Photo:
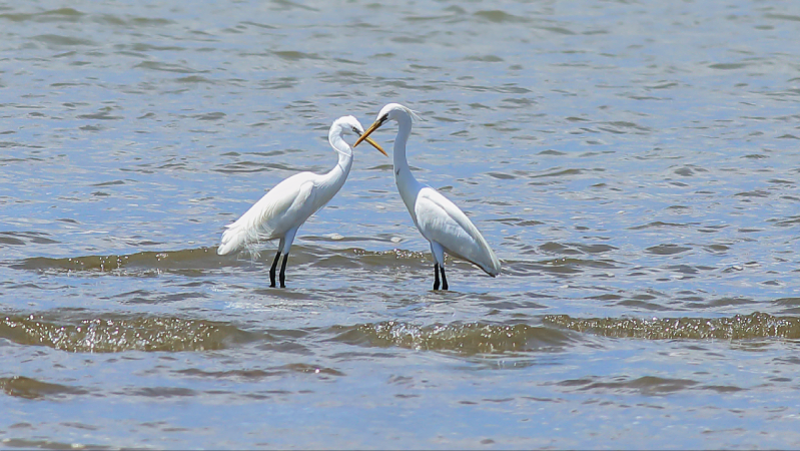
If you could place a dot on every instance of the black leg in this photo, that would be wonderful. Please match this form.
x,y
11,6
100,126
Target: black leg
x,y
435,276
444,279
283,271
272,269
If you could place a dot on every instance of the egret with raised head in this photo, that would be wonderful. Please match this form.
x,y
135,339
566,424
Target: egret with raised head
x,y
438,219
287,206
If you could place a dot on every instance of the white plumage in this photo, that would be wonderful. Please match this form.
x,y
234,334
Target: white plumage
x,y
291,202
284,207
438,219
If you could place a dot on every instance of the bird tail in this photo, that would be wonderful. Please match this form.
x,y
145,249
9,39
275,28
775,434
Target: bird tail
x,y
238,236
493,269
232,240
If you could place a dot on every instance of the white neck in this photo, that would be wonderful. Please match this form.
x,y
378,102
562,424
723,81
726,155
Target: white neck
x,y
337,176
407,185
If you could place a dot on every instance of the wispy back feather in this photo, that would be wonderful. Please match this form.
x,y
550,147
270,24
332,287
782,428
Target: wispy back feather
x,y
415,117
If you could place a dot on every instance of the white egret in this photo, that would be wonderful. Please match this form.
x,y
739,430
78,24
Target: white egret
x,y
287,206
443,224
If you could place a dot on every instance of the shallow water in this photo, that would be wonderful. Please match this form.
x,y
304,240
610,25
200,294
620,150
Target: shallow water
x,y
633,164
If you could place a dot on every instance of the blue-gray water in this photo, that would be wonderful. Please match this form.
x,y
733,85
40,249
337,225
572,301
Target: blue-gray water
x,y
634,165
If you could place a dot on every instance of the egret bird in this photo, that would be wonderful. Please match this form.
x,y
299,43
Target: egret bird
x,y
287,206
438,219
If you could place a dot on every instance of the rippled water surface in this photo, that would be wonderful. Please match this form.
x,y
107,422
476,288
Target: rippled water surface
x,y
634,164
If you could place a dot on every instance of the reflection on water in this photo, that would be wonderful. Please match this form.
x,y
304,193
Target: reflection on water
x,y
634,166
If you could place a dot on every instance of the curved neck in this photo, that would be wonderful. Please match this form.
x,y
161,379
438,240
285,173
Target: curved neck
x,y
338,174
345,159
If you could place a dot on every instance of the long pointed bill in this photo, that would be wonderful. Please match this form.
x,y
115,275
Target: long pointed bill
x,y
369,131
373,143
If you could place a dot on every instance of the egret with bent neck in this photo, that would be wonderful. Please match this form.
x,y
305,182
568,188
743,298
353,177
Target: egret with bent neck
x,y
287,206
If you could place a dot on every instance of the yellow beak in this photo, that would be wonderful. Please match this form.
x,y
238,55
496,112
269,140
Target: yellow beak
x,y
373,143
368,132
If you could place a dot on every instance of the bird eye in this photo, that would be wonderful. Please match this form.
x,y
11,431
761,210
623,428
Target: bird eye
x,y
356,131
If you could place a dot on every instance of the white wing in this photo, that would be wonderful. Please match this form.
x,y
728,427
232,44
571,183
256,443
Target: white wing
x,y
285,206
442,221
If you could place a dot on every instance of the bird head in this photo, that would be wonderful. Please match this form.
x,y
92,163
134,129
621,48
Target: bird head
x,y
391,112
346,124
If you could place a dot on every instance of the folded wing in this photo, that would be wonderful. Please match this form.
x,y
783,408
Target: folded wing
x,y
286,205
440,220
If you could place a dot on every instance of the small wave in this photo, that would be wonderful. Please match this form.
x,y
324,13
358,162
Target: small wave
x,y
180,260
183,260
118,334
259,374
293,55
54,15
465,338
168,67
667,249
561,267
739,327
21,238
56,40
497,16
28,388
648,385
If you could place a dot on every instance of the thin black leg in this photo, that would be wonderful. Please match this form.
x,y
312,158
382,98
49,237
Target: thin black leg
x,y
444,279
435,276
272,269
283,271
